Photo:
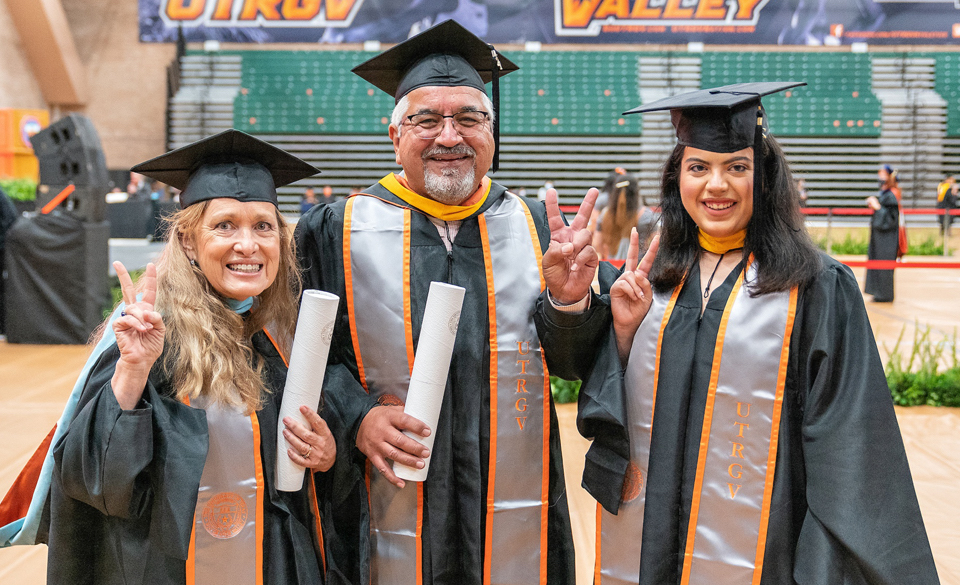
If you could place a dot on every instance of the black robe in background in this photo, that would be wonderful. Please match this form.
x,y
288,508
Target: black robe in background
x,y
125,487
843,507
884,241
455,490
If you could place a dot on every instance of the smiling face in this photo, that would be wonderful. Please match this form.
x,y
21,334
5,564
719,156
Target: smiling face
x,y
237,246
717,189
447,168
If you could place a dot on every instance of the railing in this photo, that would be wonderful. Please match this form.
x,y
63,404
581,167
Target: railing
x,y
831,212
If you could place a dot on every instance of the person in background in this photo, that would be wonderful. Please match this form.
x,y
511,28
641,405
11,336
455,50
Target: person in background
x,y
757,440
542,191
308,201
802,190
166,474
947,200
884,235
624,212
328,194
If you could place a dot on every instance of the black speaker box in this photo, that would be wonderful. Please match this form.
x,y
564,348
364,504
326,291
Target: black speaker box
x,y
57,278
69,153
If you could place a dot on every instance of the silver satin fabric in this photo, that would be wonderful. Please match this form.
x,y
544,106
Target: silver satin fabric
x,y
522,417
226,547
728,523
727,528
620,534
377,268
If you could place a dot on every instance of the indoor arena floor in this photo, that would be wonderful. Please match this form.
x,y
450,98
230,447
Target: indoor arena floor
x,y
35,381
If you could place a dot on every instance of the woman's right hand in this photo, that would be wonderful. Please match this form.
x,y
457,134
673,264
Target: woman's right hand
x,y
632,294
140,332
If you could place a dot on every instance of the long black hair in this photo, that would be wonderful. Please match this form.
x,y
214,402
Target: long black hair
x,y
784,252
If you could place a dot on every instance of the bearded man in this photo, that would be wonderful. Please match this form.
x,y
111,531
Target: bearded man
x,y
493,508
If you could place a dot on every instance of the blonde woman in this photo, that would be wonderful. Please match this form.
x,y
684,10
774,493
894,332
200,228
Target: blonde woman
x,y
166,474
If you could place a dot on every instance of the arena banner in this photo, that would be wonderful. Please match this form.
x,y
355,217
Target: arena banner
x,y
756,22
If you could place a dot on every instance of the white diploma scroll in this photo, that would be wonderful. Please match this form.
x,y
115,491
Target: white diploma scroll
x,y
430,367
308,362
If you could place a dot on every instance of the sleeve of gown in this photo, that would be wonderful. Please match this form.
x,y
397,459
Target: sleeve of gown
x,y
863,520
582,346
103,458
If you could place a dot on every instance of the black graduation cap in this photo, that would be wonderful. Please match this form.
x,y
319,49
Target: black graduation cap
x,y
230,164
722,119
445,55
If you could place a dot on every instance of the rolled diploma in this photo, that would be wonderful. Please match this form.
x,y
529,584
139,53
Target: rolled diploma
x,y
308,363
430,367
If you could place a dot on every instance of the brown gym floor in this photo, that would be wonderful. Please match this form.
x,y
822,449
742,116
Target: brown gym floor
x,y
37,379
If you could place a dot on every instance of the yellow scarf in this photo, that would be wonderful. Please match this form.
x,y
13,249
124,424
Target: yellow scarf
x,y
721,245
435,208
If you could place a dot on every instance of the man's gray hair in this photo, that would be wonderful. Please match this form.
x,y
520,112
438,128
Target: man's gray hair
x,y
396,119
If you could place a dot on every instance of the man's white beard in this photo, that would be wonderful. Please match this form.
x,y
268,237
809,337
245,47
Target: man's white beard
x,y
450,186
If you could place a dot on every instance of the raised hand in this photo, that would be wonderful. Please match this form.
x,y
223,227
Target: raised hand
x,y
631,294
570,262
380,437
313,447
140,332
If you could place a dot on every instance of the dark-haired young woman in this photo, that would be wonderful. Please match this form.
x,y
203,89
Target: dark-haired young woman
x,y
756,441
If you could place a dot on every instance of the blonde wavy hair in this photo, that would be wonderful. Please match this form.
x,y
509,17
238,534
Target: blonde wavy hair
x,y
208,350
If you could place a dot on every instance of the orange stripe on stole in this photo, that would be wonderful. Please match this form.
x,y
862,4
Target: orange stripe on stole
x,y
775,436
492,472
348,286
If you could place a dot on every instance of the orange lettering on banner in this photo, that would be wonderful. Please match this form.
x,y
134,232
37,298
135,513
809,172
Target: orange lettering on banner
x,y
185,9
618,8
522,407
711,10
300,9
339,9
267,8
733,492
578,13
745,9
522,386
739,472
520,347
641,9
223,10
673,10
740,409
521,420
523,365
742,426
737,450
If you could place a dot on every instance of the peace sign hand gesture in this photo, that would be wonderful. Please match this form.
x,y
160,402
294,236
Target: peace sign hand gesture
x,y
570,262
140,332
632,294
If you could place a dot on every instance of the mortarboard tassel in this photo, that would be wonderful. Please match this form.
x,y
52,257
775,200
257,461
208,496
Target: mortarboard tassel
x,y
495,67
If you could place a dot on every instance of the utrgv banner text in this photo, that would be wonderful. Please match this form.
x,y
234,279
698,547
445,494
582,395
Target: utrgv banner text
x,y
761,22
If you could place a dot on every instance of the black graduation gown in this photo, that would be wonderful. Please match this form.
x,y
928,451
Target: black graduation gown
x,y
884,242
843,507
455,491
126,482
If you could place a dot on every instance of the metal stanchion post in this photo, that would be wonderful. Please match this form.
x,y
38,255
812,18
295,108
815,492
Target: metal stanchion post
x,y
829,221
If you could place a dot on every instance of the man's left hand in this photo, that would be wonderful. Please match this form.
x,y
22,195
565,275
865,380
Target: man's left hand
x,y
570,262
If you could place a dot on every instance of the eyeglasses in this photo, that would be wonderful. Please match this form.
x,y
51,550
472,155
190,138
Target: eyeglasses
x,y
466,124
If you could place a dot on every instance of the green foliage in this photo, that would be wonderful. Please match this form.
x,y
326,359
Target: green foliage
x,y
851,246
564,390
927,247
917,379
19,189
848,246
